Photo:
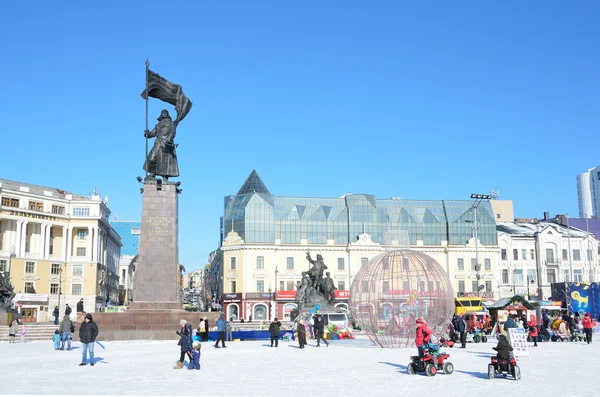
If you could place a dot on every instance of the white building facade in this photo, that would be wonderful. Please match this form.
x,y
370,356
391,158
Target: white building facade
x,y
534,254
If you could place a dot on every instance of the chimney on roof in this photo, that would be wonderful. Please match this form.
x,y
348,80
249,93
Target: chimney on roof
x,y
546,216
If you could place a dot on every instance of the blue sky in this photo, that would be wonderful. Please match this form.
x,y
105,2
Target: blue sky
x,y
421,100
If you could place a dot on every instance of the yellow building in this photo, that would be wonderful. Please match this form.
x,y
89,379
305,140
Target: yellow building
x,y
57,247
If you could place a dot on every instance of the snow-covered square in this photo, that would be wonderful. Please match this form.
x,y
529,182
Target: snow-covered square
x,y
253,368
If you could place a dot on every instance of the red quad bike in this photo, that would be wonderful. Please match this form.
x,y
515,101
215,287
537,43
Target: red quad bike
x,y
504,367
446,342
426,364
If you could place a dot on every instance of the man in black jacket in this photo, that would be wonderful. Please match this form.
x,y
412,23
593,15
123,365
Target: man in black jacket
x,y
88,331
274,330
319,325
461,327
80,306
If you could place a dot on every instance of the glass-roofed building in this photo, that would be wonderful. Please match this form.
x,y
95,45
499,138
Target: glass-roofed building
x,y
269,236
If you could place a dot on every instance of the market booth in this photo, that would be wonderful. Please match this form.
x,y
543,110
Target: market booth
x,y
517,305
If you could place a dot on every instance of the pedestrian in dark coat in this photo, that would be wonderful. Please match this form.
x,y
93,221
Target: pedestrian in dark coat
x,y
80,306
319,325
55,313
503,348
274,329
185,341
301,335
68,310
88,331
221,328
206,329
461,327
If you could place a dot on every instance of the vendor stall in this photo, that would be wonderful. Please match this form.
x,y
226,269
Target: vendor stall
x,y
517,305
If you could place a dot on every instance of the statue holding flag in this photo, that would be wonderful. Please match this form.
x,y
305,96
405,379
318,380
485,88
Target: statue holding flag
x,y
162,159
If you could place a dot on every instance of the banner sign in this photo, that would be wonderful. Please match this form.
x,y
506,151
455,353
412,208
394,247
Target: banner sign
x,y
518,340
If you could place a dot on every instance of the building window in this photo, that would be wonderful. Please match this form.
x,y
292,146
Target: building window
x,y
497,216
515,254
532,253
260,286
341,265
10,202
55,268
135,231
260,262
460,264
531,276
364,261
589,255
81,211
473,264
577,276
77,270
58,209
461,286
567,276
29,288
551,276
36,206
503,254
576,255
430,286
3,265
290,263
488,286
365,287
474,286
76,289
29,267
518,276
565,255
54,288
505,276
281,286
550,255
524,254
290,286
233,263
233,287
487,264
82,234
342,285
80,251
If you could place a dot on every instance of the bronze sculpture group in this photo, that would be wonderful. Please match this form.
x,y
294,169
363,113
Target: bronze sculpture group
x,y
314,289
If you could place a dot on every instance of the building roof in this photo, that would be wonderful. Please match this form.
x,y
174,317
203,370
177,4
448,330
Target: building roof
x,y
530,229
7,184
503,303
253,184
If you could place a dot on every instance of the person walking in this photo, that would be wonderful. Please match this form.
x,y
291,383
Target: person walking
x,y
55,313
221,328
80,306
88,331
274,329
68,310
319,326
301,335
12,330
533,329
461,327
66,329
185,333
588,327
206,329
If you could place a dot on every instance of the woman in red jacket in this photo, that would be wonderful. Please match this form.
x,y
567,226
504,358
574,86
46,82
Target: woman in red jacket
x,y
588,327
423,335
533,329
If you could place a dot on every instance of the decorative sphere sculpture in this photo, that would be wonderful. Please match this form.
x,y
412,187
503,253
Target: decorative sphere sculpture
x,y
396,288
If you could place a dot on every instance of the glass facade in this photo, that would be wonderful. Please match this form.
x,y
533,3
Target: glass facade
x,y
263,218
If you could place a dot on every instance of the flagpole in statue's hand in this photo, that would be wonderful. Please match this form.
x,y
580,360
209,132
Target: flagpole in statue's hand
x,y
146,130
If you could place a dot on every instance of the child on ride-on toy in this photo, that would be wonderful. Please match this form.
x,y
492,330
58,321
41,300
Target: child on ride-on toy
x,y
433,348
503,348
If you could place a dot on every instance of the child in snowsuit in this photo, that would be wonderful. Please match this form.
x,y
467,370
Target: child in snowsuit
x,y
423,335
195,361
433,348
503,348
56,338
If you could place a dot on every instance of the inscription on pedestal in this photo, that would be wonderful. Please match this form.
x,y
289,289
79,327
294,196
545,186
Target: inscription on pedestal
x,y
157,228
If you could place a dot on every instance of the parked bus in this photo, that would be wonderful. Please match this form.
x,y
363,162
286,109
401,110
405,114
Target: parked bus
x,y
468,304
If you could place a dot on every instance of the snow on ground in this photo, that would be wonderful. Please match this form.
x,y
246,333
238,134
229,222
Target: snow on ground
x,y
252,368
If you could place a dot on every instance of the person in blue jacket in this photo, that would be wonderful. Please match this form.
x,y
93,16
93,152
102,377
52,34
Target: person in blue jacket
x,y
221,328
185,333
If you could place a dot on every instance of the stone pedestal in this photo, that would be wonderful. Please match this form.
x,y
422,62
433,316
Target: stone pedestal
x,y
156,309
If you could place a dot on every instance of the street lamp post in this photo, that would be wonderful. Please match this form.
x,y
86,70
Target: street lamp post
x,y
478,199
530,280
12,255
276,272
59,286
270,300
